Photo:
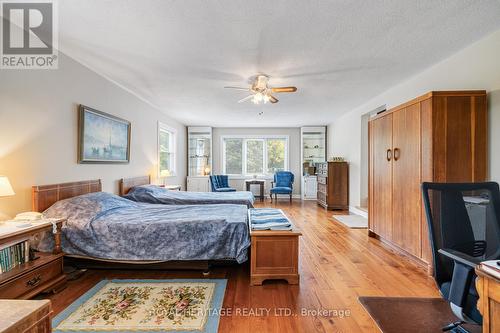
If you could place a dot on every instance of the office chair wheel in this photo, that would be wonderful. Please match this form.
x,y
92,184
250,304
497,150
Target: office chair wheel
x,y
455,327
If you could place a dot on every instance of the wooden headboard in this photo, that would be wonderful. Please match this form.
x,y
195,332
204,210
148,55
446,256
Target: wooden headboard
x,y
44,196
127,183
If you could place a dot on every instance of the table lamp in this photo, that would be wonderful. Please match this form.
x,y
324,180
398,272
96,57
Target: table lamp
x,y
5,189
207,170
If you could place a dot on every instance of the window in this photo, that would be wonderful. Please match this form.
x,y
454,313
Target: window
x,y
254,155
233,161
275,155
166,150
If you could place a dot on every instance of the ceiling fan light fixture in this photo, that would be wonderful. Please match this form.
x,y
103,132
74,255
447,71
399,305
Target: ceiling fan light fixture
x,y
261,92
259,98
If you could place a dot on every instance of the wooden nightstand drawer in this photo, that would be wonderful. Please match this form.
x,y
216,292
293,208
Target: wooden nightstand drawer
x,y
34,281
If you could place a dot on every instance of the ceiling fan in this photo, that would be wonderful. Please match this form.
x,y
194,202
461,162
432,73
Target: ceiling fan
x,y
260,92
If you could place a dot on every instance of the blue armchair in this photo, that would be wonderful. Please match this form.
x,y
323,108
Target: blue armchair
x,y
220,183
282,184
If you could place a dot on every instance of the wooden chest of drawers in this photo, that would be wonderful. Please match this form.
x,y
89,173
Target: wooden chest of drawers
x,y
333,185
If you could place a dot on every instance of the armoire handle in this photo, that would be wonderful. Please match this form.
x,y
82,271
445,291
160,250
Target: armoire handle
x,y
396,154
389,155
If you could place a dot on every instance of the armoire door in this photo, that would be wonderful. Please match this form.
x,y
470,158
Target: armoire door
x,y
406,208
381,154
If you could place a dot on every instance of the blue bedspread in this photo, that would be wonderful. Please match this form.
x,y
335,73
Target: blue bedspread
x,y
157,195
103,225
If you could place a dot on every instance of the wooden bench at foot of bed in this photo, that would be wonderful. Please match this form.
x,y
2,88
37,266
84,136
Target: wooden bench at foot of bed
x,y
274,256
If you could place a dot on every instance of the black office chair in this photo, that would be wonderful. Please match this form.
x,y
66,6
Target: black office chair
x,y
464,229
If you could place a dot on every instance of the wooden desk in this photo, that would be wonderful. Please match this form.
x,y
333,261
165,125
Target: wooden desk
x,y
488,288
33,277
25,316
260,182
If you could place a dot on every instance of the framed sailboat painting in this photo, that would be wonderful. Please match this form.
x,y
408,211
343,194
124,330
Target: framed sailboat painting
x,y
102,138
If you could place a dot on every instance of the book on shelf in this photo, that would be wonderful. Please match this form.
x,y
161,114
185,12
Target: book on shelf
x,y
13,255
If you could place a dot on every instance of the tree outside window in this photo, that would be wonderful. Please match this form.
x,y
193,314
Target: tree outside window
x,y
254,156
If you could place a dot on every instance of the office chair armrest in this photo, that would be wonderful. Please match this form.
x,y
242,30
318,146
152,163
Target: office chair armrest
x,y
462,279
460,257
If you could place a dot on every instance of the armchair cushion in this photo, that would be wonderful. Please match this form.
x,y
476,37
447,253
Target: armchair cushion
x,y
225,189
281,190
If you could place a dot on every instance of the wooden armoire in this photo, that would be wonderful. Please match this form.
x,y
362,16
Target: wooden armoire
x,y
438,137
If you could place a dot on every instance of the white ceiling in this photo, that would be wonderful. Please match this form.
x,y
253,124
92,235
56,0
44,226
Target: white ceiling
x,y
179,54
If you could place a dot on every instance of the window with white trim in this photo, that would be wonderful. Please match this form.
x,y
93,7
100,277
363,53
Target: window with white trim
x,y
167,138
245,156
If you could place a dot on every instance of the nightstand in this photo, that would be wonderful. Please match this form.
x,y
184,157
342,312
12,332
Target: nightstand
x,y
42,274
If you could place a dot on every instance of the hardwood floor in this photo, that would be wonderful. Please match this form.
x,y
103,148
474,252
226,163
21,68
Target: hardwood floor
x,y
337,265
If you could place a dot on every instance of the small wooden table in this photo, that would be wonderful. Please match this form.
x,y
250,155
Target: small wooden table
x,y
488,288
260,182
274,256
25,316
45,273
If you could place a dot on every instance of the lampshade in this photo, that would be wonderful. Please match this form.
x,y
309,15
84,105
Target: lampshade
x,y
5,187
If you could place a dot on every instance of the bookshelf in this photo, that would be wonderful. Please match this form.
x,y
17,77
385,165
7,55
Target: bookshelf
x,y
42,274
313,152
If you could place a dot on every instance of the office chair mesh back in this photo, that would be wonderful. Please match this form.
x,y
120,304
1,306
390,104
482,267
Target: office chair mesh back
x,y
464,218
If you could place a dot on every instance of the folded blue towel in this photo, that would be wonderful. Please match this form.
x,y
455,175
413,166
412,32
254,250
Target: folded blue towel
x,y
270,220
266,214
272,226
258,213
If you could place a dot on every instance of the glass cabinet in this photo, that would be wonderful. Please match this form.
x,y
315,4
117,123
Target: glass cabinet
x,y
313,152
313,148
199,151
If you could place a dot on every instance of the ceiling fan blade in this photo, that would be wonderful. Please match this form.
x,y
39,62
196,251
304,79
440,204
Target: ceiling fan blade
x,y
273,99
284,89
237,88
245,99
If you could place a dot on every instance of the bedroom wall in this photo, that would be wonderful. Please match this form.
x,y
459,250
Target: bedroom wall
x,y
38,130
475,67
293,150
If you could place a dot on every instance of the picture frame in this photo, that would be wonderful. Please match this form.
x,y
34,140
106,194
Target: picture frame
x,y
102,137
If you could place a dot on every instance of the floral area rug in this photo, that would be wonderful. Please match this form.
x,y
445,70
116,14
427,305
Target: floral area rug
x,y
184,305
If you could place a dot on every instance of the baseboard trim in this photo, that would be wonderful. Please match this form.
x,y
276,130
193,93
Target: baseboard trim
x,y
357,211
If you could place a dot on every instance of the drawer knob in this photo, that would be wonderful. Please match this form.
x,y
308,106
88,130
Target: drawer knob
x,y
34,281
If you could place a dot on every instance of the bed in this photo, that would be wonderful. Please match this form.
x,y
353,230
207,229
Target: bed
x,y
106,227
139,189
